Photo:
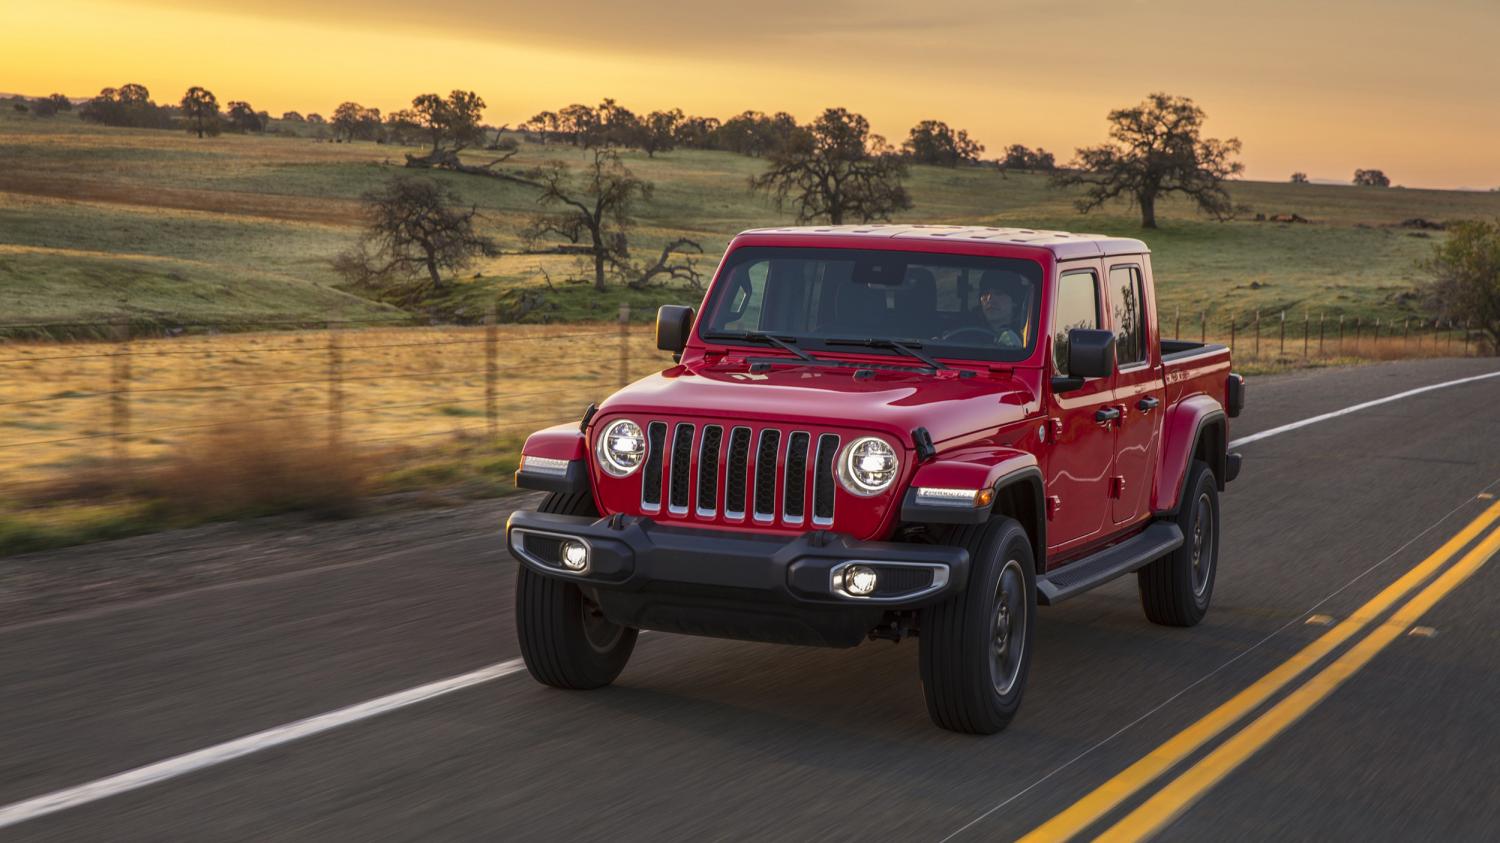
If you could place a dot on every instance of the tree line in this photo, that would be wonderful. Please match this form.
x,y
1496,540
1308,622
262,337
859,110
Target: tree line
x,y
832,169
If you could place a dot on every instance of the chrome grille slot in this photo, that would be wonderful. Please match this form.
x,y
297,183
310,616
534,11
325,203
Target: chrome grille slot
x,y
656,440
823,482
765,474
682,455
735,475
708,470
794,493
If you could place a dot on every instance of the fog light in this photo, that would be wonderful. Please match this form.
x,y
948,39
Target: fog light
x,y
859,580
575,557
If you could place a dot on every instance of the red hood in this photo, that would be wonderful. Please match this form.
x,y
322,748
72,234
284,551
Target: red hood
x,y
894,402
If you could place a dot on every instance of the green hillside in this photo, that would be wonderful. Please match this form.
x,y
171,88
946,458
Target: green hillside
x,y
98,222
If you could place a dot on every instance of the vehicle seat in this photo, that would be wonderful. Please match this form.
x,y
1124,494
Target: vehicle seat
x,y
916,303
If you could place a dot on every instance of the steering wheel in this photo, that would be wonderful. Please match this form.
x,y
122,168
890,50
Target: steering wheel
x,y
984,334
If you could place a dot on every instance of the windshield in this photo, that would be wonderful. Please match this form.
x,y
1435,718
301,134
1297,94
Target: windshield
x,y
948,305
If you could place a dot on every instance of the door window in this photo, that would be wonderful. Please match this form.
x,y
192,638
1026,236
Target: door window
x,y
1127,307
1077,306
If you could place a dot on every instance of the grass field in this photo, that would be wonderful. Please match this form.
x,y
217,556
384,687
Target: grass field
x,y
97,222
216,250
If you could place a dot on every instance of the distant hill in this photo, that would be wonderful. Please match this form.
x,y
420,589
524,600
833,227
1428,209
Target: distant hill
x,y
97,222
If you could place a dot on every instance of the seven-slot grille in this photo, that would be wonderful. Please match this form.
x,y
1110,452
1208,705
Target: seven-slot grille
x,y
737,473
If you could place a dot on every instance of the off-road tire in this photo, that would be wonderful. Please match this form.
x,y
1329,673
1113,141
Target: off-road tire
x,y
1177,588
960,650
565,640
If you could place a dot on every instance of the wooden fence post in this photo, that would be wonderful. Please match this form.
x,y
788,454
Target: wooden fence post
x,y
1306,331
491,372
1341,335
1282,352
624,344
1257,335
335,386
119,396
1177,328
1322,323
1231,332
1203,326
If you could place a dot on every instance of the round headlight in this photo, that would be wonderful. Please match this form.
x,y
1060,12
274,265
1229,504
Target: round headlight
x,y
621,448
868,466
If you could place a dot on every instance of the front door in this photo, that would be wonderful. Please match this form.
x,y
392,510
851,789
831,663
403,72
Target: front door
x,y
1139,394
1080,452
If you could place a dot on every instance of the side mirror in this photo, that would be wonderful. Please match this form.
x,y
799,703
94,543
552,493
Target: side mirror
x,y
1091,354
673,324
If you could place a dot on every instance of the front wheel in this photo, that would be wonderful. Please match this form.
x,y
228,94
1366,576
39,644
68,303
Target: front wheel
x,y
566,640
976,645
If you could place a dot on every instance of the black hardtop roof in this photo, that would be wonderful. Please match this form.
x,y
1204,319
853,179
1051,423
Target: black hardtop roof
x,y
1062,244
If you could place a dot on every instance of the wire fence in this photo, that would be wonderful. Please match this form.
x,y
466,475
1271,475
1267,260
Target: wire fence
x,y
1283,336
140,392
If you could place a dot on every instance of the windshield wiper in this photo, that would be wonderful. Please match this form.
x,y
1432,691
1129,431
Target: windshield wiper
x,y
784,342
907,347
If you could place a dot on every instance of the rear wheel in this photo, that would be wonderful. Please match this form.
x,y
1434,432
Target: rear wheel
x,y
1176,589
976,645
565,639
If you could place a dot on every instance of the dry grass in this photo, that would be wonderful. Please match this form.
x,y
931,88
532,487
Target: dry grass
x,y
408,389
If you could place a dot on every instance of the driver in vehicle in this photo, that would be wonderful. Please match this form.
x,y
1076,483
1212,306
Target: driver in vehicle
x,y
999,294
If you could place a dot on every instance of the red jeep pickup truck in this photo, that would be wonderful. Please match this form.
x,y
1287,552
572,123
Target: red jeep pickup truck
x,y
883,431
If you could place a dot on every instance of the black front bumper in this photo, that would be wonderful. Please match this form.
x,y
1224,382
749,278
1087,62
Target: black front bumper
x,y
736,585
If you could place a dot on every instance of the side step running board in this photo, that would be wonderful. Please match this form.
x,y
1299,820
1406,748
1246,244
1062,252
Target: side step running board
x,y
1080,575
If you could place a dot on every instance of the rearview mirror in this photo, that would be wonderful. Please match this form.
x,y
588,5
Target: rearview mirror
x,y
1091,354
673,323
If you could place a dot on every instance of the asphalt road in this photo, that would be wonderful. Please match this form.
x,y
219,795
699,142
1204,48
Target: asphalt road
x,y
710,739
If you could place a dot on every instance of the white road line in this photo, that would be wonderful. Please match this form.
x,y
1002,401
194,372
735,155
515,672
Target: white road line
x,y
1276,431
171,768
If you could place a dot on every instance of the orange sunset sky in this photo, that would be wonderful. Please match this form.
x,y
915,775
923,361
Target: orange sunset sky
x,y
1324,87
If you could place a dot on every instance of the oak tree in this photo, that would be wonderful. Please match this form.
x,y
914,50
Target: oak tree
x,y
1158,149
413,228
836,170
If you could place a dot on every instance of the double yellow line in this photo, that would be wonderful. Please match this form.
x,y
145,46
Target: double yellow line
x,y
1171,800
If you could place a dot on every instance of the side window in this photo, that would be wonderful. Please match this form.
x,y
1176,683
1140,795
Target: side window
x,y
1077,306
1129,318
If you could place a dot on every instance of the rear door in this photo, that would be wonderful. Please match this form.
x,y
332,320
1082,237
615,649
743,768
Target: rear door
x,y
1139,393
1080,451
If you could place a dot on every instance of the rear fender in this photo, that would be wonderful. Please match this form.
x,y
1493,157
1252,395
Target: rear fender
x,y
564,443
1013,474
1194,426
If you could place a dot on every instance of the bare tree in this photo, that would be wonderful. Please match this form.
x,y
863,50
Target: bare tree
x,y
413,227
666,266
836,170
199,106
593,209
1465,271
1157,151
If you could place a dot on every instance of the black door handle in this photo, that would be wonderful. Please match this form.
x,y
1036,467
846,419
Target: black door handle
x,y
1108,414
1147,404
